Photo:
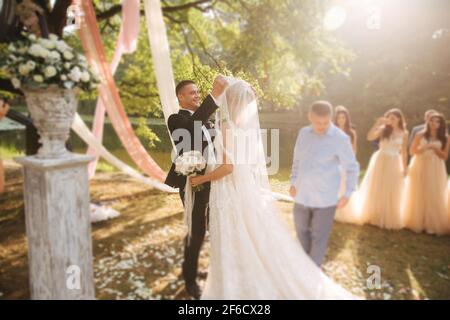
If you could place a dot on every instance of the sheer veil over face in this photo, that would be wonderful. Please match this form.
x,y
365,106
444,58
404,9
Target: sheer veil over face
x,y
239,139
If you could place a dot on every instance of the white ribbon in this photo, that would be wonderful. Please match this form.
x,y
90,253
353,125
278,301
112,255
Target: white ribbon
x,y
189,198
85,134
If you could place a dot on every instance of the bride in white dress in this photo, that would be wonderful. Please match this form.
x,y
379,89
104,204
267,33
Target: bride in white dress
x,y
253,254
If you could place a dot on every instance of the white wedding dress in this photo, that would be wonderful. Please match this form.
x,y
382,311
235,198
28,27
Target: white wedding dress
x,y
253,253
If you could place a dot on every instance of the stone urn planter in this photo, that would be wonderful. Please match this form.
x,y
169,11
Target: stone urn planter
x,y
52,110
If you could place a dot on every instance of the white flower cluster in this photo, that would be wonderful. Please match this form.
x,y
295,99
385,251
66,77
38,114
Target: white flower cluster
x,y
40,62
190,163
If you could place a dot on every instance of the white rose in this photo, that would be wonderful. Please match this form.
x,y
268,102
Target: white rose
x,y
32,37
38,78
24,70
45,53
35,50
31,65
50,71
63,77
83,64
75,74
15,83
68,55
62,46
67,65
83,61
68,84
85,77
11,48
47,43
53,37
54,55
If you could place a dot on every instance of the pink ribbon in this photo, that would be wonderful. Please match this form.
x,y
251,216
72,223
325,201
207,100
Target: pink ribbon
x,y
126,43
109,95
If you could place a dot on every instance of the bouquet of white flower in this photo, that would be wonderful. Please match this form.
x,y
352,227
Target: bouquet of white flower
x,y
190,164
40,62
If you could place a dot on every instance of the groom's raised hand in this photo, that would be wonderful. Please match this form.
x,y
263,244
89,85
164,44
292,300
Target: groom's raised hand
x,y
219,86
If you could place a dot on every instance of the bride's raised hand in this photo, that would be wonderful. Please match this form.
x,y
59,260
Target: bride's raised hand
x,y
219,86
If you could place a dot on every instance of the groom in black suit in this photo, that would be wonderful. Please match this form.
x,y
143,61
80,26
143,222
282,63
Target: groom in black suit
x,y
191,123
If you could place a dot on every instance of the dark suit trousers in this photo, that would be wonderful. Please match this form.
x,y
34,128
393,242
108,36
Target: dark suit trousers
x,y
193,247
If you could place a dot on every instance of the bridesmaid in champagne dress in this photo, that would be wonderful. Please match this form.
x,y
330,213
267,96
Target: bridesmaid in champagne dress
x,y
342,120
426,199
378,201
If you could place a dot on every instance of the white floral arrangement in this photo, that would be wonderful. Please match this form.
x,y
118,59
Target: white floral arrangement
x,y
190,164
41,62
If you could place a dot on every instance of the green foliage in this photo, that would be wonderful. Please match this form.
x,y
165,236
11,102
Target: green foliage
x,y
278,46
146,134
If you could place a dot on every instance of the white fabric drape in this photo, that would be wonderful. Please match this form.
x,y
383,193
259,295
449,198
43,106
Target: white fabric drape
x,y
85,134
162,64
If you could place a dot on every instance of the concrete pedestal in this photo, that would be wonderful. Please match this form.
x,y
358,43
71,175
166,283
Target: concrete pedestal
x,y
56,193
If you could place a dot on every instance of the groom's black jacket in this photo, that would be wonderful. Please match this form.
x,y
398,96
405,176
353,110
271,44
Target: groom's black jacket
x,y
184,120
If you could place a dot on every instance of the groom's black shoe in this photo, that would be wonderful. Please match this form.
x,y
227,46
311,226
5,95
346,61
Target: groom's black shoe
x,y
193,290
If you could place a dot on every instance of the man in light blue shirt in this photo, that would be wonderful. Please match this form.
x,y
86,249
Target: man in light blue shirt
x,y
321,152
